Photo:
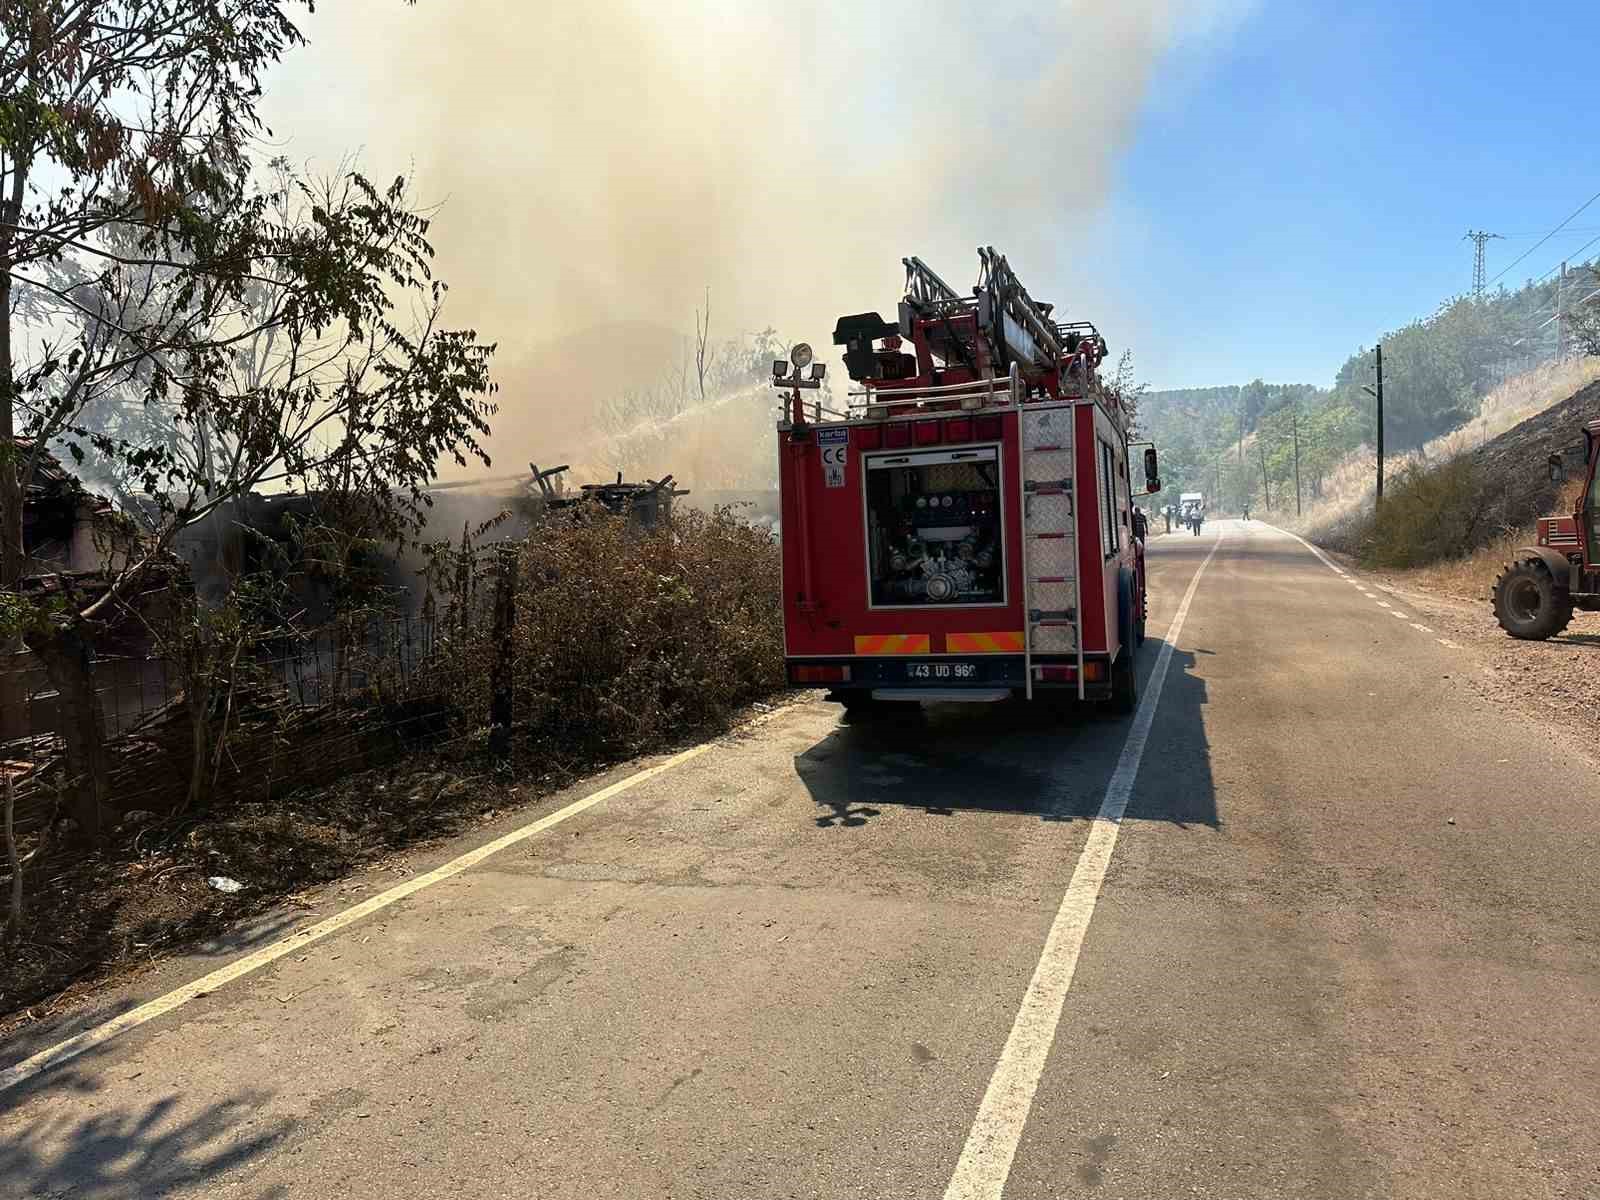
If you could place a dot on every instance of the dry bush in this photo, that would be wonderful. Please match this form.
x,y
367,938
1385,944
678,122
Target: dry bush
x,y
1470,576
626,639
1430,514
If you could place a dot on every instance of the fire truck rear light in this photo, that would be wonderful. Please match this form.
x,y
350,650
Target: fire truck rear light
x,y
958,429
897,436
819,674
928,433
1093,672
988,429
869,437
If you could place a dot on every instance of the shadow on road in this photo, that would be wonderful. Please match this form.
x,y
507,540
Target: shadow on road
x,y
1027,760
136,1152
1590,640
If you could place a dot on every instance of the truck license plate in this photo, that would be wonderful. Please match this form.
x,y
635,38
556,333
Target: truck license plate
x,y
942,672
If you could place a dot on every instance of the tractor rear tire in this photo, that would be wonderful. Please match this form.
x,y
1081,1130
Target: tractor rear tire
x,y
1529,603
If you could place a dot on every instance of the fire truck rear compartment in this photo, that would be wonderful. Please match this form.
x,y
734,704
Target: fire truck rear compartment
x,y
934,532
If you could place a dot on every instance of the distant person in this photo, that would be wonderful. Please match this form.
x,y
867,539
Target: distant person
x,y
1166,511
1246,512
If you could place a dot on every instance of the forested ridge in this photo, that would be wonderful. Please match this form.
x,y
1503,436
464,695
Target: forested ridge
x,y
1237,443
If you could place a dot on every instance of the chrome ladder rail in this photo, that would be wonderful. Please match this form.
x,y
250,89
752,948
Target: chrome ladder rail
x,y
1051,572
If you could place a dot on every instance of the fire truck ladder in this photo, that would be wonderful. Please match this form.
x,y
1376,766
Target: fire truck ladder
x,y
1017,324
924,288
1053,614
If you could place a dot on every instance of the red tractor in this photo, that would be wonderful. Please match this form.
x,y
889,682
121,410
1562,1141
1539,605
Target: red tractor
x,y
1535,596
966,531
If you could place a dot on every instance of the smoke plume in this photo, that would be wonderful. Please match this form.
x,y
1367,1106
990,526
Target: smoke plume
x,y
602,164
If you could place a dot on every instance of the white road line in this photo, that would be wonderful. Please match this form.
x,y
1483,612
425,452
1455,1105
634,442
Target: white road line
x,y
1448,642
1338,570
1420,627
1401,615
55,1055
985,1161
1326,561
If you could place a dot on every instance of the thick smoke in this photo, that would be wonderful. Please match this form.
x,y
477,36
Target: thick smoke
x,y
601,164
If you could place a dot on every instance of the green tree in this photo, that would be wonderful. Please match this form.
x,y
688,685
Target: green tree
x,y
254,328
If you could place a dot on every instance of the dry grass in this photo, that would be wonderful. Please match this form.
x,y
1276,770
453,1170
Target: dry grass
x,y
1472,576
1514,401
1347,489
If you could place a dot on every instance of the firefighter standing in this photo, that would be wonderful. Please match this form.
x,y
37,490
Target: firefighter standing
x,y
1166,511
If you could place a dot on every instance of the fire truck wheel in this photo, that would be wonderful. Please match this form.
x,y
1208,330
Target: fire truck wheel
x,y
1529,604
1124,683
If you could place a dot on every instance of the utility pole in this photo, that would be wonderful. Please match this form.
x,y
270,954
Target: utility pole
x,y
1294,429
1377,394
1266,492
1561,327
1477,237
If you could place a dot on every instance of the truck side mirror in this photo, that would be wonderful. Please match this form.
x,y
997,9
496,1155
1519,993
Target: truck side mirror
x,y
1152,471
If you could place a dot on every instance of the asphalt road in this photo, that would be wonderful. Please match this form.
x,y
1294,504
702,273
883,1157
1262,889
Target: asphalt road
x,y
1347,945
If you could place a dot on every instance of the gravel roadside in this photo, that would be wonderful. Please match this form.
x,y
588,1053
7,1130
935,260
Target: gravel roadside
x,y
1557,679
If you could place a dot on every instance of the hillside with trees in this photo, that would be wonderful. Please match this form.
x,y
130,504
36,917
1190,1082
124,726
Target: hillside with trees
x,y
1238,443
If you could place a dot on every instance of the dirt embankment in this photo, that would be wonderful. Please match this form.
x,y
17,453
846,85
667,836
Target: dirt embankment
x,y
1515,466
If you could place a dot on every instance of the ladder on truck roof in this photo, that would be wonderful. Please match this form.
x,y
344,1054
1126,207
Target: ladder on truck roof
x,y
1019,329
1051,594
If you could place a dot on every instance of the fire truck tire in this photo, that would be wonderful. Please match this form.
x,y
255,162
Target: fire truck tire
x,y
1125,683
1528,602
1125,671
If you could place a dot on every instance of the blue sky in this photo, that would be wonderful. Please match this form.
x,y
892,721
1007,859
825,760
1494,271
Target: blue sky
x,y
1302,185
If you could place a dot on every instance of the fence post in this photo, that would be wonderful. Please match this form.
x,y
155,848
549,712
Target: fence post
x,y
505,621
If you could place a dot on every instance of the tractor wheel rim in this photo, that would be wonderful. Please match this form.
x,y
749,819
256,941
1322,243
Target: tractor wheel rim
x,y
1525,600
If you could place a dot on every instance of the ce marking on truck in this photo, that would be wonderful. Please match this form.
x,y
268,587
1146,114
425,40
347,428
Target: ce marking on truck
x,y
835,447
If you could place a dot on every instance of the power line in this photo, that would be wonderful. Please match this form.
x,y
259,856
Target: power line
x,y
1546,237
1569,258
1575,231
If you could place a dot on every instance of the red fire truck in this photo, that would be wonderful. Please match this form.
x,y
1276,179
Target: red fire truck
x,y
966,530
